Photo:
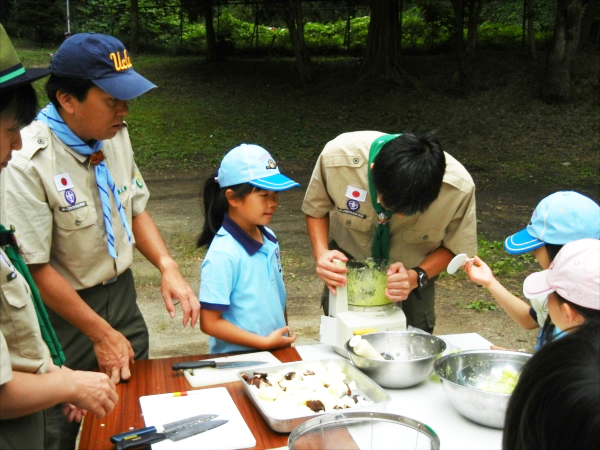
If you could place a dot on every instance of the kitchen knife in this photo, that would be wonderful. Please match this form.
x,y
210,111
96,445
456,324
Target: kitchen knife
x,y
131,434
177,434
215,364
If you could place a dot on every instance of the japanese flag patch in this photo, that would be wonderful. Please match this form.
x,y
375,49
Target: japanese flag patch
x,y
355,193
63,182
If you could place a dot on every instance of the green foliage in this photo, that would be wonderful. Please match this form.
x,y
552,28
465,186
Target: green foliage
x,y
481,306
501,263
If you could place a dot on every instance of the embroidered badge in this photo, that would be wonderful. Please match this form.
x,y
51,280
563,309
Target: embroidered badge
x,y
347,211
63,182
123,189
138,178
353,205
354,193
73,207
70,197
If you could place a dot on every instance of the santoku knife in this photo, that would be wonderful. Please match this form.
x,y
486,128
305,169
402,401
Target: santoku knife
x,y
215,364
175,434
131,434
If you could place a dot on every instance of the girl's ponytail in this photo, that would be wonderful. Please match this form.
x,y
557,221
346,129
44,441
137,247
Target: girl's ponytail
x,y
215,206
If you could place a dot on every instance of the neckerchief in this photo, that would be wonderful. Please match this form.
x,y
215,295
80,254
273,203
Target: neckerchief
x,y
48,334
104,180
381,241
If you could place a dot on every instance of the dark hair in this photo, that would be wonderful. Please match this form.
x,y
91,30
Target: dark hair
x,y
21,102
552,250
216,206
547,332
77,87
408,173
555,404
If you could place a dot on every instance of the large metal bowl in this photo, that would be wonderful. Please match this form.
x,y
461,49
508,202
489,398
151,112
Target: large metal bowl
x,y
416,353
466,377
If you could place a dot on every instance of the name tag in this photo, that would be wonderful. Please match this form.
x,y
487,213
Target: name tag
x,y
72,207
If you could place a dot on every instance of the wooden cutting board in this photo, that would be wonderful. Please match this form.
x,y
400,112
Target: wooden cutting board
x,y
165,408
209,376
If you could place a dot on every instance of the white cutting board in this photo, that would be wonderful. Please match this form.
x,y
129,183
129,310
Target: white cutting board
x,y
165,408
208,376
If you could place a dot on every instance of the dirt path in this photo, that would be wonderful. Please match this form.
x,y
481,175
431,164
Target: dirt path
x,y
175,207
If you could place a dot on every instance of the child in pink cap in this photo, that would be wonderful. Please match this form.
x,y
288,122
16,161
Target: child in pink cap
x,y
558,219
572,283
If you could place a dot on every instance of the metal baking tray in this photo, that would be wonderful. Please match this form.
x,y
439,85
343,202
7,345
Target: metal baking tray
x,y
367,387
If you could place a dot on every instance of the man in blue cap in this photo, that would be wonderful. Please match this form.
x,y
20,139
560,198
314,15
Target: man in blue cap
x,y
78,202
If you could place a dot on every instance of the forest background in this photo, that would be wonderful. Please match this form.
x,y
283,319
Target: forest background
x,y
477,71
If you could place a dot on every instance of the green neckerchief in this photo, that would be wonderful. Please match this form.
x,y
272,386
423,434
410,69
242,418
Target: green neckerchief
x,y
381,241
48,333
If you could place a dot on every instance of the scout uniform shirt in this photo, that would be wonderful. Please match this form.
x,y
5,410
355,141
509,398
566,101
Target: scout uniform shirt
x,y
339,187
49,194
22,347
243,278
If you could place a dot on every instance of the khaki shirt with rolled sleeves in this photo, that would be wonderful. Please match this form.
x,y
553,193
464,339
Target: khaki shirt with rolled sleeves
x,y
22,348
64,228
338,186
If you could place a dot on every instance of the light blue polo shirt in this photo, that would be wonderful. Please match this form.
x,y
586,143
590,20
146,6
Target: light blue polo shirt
x,y
243,278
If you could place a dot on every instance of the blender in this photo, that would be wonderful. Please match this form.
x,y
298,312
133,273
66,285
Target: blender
x,y
361,306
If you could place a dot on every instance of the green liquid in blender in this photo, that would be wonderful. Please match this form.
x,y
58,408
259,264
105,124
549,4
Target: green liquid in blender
x,y
366,284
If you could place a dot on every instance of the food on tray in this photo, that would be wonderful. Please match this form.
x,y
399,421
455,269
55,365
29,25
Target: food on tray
x,y
366,285
505,384
315,389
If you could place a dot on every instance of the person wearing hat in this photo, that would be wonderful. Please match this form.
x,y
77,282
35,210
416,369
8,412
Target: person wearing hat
x,y
393,197
77,200
558,219
242,292
572,284
32,374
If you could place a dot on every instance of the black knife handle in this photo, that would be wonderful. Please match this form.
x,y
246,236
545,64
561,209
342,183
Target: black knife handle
x,y
194,365
146,439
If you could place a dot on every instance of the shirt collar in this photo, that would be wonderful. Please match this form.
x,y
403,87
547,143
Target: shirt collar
x,y
250,244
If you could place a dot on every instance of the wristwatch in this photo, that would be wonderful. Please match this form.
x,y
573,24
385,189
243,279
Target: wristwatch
x,y
422,278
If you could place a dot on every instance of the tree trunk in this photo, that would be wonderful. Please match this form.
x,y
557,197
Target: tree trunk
x,y
591,9
459,23
211,41
557,83
382,55
473,25
295,22
530,30
135,26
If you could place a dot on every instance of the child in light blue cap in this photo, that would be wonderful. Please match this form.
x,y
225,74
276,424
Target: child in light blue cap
x,y
242,294
558,219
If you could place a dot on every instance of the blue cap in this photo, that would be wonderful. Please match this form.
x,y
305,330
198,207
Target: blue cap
x,y
103,60
249,163
558,219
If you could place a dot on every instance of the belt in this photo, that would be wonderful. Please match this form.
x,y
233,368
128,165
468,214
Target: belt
x,y
111,281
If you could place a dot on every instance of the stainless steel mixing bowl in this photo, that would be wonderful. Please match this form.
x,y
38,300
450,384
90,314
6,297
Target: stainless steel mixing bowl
x,y
468,377
415,354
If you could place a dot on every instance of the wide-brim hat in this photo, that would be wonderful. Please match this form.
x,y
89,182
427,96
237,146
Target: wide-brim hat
x,y
560,218
249,163
103,60
12,72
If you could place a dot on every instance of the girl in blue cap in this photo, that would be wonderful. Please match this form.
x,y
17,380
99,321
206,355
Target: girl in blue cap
x,y
242,295
557,220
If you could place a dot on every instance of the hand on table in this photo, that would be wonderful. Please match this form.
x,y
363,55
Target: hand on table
x,y
278,338
330,273
398,283
114,354
174,286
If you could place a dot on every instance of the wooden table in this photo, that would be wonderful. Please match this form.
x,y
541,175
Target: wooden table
x,y
155,376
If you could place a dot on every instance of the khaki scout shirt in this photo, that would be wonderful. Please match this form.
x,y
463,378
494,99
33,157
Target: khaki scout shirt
x,y
342,170
22,348
72,237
